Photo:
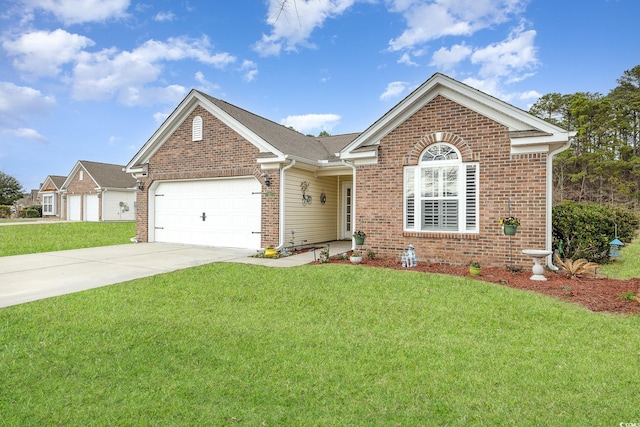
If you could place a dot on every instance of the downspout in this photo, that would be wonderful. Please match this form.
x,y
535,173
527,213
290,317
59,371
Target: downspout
x,y
353,199
282,204
549,201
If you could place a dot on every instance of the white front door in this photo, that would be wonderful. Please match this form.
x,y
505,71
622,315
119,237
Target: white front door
x,y
215,212
347,209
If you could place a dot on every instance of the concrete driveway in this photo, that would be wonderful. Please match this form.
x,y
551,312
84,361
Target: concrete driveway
x,y
25,278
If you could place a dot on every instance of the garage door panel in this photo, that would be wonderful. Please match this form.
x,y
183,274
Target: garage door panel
x,y
231,207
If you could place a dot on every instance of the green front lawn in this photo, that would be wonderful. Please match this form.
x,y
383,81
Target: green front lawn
x,y
323,345
58,236
628,266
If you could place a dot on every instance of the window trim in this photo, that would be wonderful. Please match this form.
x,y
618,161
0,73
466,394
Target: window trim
x,y
467,177
52,204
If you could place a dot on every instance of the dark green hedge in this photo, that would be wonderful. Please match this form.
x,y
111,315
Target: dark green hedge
x,y
5,211
586,230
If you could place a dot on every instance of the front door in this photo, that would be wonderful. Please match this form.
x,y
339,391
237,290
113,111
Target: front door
x,y
347,209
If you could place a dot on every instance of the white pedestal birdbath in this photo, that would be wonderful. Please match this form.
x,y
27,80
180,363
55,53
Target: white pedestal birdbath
x,y
538,255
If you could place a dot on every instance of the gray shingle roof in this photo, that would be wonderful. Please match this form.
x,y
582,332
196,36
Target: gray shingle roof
x,y
108,175
284,139
58,180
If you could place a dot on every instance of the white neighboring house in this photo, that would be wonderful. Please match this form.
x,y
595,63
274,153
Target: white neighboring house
x,y
96,191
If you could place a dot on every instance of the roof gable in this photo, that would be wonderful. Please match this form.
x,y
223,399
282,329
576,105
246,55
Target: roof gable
x,y
274,141
528,133
104,175
53,183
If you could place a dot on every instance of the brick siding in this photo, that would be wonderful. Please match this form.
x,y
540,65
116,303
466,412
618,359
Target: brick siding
x,y
82,187
503,177
222,153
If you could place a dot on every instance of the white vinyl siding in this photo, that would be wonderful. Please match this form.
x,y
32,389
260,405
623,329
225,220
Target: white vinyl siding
x,y
118,205
314,222
441,193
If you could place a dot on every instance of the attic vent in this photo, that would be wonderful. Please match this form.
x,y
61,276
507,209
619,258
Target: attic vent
x,y
196,129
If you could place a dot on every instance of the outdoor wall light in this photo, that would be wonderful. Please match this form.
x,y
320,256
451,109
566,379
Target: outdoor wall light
x,y
140,185
267,180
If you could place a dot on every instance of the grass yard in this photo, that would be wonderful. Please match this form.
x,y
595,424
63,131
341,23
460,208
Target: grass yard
x,y
322,345
628,266
58,236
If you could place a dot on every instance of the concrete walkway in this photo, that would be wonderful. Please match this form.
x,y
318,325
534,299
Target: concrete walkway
x,y
25,278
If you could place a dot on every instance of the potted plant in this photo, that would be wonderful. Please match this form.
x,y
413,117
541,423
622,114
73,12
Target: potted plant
x,y
359,237
510,225
356,257
475,269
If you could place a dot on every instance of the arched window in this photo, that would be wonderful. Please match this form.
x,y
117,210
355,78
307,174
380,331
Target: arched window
x,y
196,129
441,192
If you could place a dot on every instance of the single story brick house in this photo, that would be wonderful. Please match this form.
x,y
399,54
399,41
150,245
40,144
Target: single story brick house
x,y
95,191
437,171
50,194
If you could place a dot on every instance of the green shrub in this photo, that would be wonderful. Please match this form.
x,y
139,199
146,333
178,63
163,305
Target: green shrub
x,y
585,230
33,211
5,211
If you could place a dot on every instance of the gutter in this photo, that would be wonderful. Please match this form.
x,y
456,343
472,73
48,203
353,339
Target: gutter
x,y
282,204
353,198
549,201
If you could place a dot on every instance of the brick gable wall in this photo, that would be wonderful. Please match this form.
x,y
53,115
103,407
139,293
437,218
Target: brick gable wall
x,y
503,177
222,153
81,187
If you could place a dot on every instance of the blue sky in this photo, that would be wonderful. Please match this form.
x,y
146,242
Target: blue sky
x,y
93,79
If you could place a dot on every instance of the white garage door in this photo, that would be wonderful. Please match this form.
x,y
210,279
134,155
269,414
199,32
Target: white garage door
x,y
222,212
91,204
75,203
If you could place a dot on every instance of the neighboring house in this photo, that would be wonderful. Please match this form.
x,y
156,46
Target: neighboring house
x,y
437,171
51,196
99,192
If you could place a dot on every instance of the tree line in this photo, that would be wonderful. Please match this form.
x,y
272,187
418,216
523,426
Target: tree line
x,y
602,165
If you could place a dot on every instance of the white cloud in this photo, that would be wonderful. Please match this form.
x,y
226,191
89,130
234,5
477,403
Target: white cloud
x,y
432,19
446,59
17,101
79,11
293,22
42,53
205,85
160,117
394,90
250,70
516,53
406,59
164,17
25,133
107,73
171,94
308,123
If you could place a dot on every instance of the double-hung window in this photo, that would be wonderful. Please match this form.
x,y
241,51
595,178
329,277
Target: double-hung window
x,y
48,205
441,192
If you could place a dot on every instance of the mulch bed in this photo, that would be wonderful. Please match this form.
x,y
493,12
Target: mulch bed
x,y
599,294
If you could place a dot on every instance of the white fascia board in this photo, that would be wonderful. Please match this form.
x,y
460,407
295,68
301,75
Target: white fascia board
x,y
359,155
511,117
238,127
67,181
176,119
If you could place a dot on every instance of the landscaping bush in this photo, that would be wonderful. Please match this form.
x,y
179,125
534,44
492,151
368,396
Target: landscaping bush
x,y
5,211
586,230
33,211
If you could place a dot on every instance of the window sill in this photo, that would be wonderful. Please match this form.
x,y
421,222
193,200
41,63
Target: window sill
x,y
441,235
